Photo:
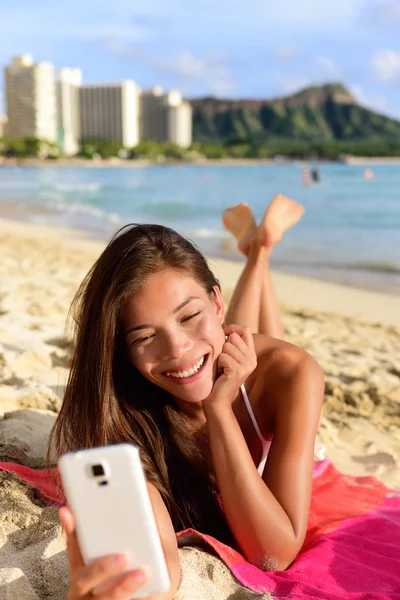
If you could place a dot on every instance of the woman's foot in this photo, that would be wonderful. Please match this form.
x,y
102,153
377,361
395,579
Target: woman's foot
x,y
240,221
281,214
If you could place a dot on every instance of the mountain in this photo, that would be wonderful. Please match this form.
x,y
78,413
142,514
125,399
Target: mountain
x,y
317,113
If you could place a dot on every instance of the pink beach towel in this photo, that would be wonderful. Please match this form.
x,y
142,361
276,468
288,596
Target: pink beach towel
x,y
351,551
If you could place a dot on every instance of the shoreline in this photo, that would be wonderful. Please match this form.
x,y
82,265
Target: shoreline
x,y
380,279
223,162
309,293
305,293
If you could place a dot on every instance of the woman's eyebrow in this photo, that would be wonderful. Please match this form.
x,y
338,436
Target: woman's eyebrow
x,y
177,309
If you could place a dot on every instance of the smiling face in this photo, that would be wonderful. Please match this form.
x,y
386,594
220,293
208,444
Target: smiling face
x,y
174,334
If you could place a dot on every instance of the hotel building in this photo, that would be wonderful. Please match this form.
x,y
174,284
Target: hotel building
x,y
110,112
68,110
165,117
30,99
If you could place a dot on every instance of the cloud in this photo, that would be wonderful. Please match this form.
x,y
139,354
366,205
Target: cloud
x,y
385,65
377,102
311,15
287,53
328,67
382,14
212,69
129,32
294,83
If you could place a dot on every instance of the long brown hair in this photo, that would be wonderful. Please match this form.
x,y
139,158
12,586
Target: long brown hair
x,y
107,401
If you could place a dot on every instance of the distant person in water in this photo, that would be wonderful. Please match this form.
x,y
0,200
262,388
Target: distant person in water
x,y
305,176
368,174
315,175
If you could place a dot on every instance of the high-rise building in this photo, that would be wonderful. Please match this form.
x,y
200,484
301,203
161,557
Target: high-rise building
x,y
3,126
153,115
165,117
3,119
68,112
180,124
31,99
110,112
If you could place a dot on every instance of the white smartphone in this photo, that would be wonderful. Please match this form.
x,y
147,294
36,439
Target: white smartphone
x,y
107,492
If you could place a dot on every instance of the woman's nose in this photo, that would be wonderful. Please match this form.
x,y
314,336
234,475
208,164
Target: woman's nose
x,y
175,345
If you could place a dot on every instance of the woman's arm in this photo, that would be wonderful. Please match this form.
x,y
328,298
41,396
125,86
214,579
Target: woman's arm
x,y
168,540
268,516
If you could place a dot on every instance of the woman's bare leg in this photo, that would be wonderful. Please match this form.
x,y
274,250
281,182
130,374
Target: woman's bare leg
x,y
254,302
270,320
245,305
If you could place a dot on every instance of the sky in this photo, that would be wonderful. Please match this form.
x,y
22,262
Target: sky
x,y
224,48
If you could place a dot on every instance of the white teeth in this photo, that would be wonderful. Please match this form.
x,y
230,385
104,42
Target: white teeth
x,y
190,372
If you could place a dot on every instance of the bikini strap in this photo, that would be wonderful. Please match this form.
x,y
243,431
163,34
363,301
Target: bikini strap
x,y
251,413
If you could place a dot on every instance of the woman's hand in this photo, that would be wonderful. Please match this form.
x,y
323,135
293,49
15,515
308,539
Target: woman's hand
x,y
235,363
84,578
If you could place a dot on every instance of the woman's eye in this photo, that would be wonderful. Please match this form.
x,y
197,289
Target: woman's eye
x,y
191,316
140,340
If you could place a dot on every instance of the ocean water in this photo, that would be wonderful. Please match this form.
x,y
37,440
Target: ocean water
x,y
350,232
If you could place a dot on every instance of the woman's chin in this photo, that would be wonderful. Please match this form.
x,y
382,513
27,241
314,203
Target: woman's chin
x,y
196,394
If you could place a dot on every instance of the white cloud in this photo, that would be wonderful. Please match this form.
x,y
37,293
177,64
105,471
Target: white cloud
x,y
293,83
377,102
130,32
328,67
212,72
382,13
389,10
212,69
310,15
287,53
385,65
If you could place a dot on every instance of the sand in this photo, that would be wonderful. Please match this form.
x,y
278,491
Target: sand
x,y
354,334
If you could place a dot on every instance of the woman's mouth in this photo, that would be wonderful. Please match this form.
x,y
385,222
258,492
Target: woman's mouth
x,y
189,375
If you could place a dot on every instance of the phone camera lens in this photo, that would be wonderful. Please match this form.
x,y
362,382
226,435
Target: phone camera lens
x,y
97,470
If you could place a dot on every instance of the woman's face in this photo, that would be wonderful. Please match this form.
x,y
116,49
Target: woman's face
x,y
174,334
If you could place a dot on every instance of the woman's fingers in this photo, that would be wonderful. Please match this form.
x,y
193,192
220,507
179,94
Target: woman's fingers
x,y
127,586
74,553
226,363
241,341
236,353
243,332
100,571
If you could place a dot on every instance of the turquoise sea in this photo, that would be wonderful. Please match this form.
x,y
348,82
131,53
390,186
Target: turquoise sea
x,y
350,231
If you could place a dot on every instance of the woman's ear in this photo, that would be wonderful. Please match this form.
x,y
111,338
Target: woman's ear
x,y
218,304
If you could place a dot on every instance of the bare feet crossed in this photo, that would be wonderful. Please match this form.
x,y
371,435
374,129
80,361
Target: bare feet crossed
x,y
240,221
281,214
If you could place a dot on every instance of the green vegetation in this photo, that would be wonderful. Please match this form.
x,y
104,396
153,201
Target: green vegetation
x,y
232,149
318,115
28,147
318,122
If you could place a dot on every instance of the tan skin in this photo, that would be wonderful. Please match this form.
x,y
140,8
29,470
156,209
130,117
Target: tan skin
x,y
171,324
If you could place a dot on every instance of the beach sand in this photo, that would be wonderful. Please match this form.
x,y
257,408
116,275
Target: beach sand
x,y
354,334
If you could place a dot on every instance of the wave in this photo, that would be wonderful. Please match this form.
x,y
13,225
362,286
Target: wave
x,y
375,266
75,208
206,233
19,186
370,266
92,188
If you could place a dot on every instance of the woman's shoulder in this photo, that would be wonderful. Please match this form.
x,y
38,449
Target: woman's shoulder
x,y
277,358
280,365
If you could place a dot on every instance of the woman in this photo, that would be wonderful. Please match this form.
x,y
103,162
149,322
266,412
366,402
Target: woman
x,y
155,365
